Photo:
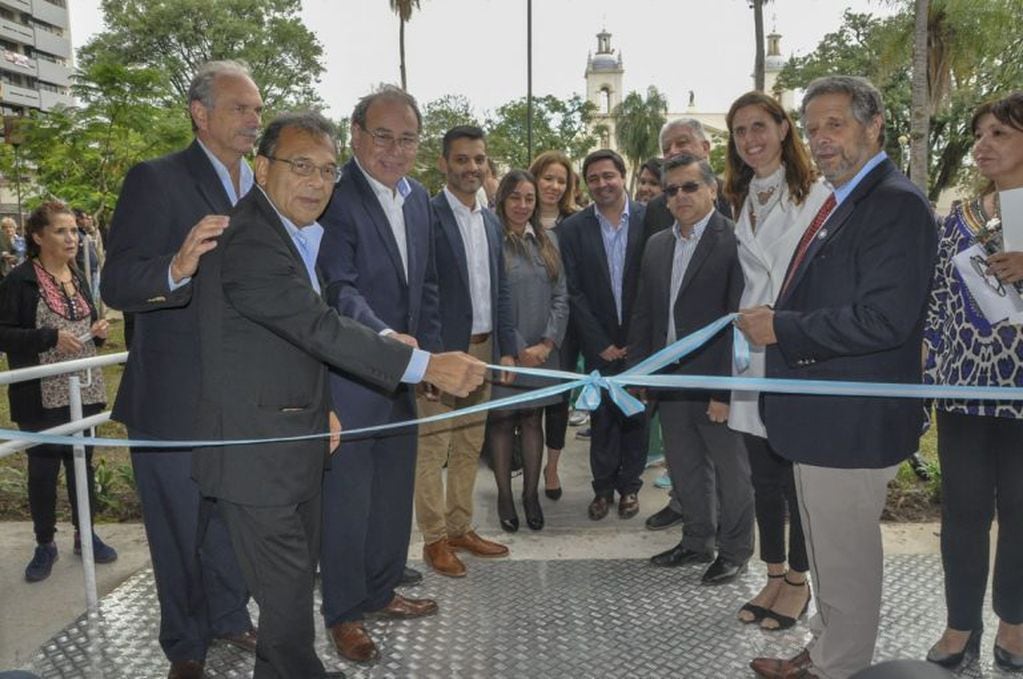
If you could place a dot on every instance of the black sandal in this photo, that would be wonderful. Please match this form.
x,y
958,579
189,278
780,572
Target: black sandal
x,y
758,611
785,621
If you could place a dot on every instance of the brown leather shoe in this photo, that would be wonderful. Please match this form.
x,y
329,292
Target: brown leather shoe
x,y
440,557
246,640
778,668
600,507
628,506
353,643
477,546
403,608
186,669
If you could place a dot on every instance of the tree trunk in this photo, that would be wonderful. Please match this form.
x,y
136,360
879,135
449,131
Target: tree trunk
x,y
401,50
919,123
758,28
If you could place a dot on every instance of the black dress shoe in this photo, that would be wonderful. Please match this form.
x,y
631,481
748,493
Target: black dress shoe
x,y
723,570
666,518
953,660
534,514
680,556
510,525
553,493
410,577
1010,662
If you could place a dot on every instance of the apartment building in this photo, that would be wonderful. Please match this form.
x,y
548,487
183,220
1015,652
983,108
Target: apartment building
x,y
35,55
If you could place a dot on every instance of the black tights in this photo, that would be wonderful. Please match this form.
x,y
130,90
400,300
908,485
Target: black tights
x,y
502,425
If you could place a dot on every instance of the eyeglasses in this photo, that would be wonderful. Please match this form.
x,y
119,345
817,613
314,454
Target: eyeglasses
x,y
688,187
305,168
386,140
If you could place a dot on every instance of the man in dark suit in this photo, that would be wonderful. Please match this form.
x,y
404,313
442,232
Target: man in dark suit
x,y
377,259
476,316
266,339
602,247
690,277
851,307
168,212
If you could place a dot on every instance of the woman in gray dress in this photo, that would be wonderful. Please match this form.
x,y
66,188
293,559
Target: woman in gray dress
x,y
540,312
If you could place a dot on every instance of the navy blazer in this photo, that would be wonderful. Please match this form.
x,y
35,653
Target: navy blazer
x,y
161,200
453,279
593,315
366,281
711,287
855,311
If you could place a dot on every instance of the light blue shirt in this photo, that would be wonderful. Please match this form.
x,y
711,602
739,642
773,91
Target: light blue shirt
x,y
842,192
616,241
307,242
245,182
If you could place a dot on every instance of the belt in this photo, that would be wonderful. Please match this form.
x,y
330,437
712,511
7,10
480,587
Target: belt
x,y
480,338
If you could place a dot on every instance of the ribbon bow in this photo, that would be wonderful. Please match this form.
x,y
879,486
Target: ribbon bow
x,y
589,398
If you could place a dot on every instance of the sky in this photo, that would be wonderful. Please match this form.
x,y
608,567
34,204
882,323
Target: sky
x,y
477,48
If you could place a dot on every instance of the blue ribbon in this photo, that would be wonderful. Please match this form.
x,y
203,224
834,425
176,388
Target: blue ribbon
x,y
592,385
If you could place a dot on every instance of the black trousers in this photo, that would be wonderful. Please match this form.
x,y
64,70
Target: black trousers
x,y
981,473
44,462
277,549
200,587
774,494
367,521
618,447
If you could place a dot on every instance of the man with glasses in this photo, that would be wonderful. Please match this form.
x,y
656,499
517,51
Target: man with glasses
x,y
690,277
376,259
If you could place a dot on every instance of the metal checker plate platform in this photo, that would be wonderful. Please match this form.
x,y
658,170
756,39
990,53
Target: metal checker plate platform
x,y
583,618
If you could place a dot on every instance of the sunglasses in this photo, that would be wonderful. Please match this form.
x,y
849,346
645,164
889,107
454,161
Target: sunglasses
x,y
688,187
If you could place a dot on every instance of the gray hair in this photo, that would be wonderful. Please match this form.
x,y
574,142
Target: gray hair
x,y
310,122
685,160
864,99
385,93
201,87
692,123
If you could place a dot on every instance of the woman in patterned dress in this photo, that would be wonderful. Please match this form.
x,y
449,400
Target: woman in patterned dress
x,y
47,316
979,442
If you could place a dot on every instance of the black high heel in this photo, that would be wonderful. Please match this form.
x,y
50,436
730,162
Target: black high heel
x,y
786,621
534,514
953,660
1010,662
758,611
552,493
508,517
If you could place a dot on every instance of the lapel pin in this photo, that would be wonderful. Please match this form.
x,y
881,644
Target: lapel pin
x,y
822,235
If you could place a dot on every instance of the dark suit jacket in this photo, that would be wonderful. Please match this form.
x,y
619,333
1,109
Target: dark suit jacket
x,y
366,281
160,201
453,280
711,288
265,339
591,301
855,311
659,217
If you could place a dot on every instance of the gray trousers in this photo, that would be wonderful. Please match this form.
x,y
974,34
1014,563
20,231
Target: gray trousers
x,y
710,473
841,510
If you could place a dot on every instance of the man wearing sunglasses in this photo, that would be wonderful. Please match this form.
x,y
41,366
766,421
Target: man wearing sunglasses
x,y
690,277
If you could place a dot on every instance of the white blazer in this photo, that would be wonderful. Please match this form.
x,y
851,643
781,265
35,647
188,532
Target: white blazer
x,y
765,258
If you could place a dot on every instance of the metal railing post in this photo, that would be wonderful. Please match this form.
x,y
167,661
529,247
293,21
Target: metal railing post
x,y
82,500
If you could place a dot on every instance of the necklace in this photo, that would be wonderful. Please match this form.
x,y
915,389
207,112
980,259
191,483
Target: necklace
x,y
764,196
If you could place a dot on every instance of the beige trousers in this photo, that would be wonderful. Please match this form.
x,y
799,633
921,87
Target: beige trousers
x,y
456,442
841,512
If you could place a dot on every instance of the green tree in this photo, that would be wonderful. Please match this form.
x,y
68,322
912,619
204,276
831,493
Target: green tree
x,y
176,38
403,8
439,116
638,123
558,124
81,154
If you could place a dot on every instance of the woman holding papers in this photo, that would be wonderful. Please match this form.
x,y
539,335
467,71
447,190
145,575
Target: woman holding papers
x,y
47,316
775,192
979,442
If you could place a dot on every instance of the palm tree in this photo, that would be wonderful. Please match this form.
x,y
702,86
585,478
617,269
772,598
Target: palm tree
x,y
637,124
758,30
403,8
920,110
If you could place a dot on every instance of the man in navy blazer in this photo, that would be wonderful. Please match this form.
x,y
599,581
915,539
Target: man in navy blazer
x,y
377,259
476,316
168,215
602,247
851,308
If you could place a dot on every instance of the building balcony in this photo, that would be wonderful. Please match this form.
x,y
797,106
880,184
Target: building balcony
x,y
15,62
19,33
54,44
50,13
48,100
58,74
18,96
17,5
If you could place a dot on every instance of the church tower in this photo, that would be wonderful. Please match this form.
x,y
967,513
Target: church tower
x,y
604,87
774,62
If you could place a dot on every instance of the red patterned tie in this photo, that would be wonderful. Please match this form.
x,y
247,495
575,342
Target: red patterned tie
x,y
808,236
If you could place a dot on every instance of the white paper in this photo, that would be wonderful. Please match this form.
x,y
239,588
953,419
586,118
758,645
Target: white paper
x,y
996,301
1011,202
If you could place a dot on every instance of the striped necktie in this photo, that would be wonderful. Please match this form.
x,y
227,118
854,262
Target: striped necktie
x,y
808,236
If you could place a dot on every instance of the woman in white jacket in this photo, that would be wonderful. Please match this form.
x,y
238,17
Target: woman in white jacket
x,y
774,189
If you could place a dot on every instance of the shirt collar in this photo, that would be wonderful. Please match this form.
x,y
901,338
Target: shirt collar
x,y
842,192
456,204
295,232
624,219
529,230
698,228
383,191
245,178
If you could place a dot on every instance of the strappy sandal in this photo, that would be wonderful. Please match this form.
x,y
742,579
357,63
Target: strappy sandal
x,y
758,611
785,621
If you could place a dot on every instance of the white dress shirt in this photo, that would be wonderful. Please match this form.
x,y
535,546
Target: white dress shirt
x,y
392,201
477,259
685,246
